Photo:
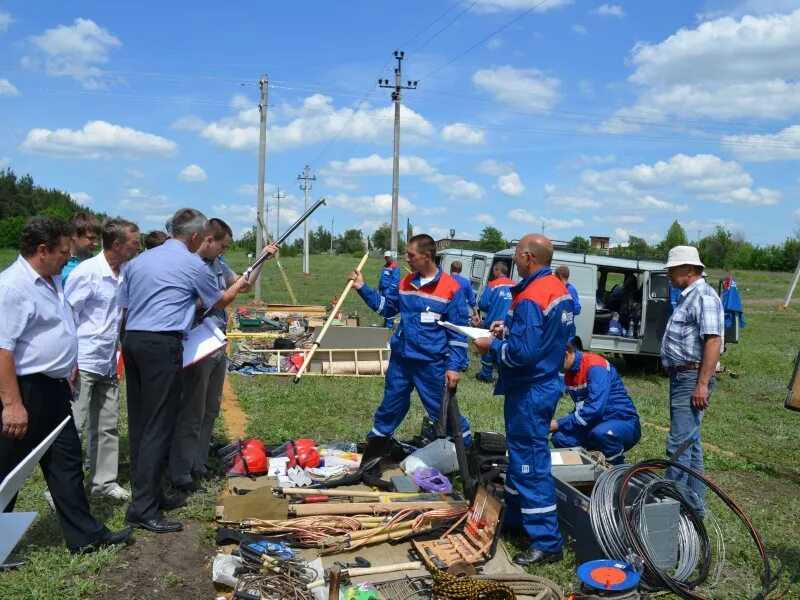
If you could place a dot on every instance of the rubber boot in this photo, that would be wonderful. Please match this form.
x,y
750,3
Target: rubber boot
x,y
374,451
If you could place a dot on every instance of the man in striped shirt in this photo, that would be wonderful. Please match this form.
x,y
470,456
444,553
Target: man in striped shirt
x,y
690,350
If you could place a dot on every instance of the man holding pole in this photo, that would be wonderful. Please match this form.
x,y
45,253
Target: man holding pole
x,y
425,356
529,348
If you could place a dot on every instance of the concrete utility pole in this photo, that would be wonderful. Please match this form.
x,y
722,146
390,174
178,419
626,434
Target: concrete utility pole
x,y
262,170
792,286
305,186
278,197
396,97
332,235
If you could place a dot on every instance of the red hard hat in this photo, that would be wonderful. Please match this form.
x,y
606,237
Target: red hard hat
x,y
254,443
251,460
302,453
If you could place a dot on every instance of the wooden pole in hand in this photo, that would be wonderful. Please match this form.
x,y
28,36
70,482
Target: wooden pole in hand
x,y
331,317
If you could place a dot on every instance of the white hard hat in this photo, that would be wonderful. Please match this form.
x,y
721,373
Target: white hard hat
x,y
683,255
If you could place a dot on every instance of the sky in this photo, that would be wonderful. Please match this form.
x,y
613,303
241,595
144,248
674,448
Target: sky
x,y
582,118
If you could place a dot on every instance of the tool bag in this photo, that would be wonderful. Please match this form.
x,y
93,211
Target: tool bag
x,y
488,460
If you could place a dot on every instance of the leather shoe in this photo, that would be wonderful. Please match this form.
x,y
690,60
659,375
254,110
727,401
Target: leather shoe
x,y
109,539
171,502
190,488
532,556
157,525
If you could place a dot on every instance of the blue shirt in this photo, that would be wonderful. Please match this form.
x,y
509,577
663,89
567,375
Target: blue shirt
x,y
496,299
36,322
466,286
390,277
73,262
576,301
161,288
698,313
223,275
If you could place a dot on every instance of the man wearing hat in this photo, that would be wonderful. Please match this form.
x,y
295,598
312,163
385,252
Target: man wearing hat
x,y
390,279
690,350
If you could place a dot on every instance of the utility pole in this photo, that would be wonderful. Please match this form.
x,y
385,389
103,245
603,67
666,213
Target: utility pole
x,y
262,169
396,97
542,227
332,235
305,186
278,197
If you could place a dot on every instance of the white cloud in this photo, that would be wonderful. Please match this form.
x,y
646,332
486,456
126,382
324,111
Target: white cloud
x,y
4,162
536,5
621,235
73,51
7,88
494,43
314,121
463,135
247,189
521,215
97,140
491,166
484,219
81,197
796,215
624,219
704,176
453,186
609,10
5,21
510,184
755,71
147,209
784,145
529,88
579,29
586,160
380,205
571,202
192,173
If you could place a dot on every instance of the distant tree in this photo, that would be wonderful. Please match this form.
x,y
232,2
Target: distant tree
x,y
351,241
319,241
492,239
382,239
579,244
639,247
247,242
676,236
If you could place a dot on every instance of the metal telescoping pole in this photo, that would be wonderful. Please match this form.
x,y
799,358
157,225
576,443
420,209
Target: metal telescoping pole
x,y
262,168
792,286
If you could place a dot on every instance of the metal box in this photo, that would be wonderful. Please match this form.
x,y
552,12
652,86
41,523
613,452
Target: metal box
x,y
574,484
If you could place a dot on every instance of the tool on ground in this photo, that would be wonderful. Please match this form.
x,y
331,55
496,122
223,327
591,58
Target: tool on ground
x,y
607,579
301,453
334,576
348,573
359,563
365,508
447,586
450,418
284,236
249,459
331,317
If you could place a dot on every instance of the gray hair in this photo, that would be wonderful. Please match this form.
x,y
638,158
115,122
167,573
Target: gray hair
x,y
116,230
188,221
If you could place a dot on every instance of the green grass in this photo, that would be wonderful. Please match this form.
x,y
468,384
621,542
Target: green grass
x,y
756,441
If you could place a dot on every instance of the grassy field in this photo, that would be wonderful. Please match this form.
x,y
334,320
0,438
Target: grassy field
x,y
753,442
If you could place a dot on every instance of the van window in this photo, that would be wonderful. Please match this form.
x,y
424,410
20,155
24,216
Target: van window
x,y
478,267
659,285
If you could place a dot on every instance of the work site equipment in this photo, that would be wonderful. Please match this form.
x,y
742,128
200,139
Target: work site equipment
x,y
328,322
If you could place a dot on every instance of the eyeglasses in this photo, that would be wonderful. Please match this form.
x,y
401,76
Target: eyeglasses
x,y
522,253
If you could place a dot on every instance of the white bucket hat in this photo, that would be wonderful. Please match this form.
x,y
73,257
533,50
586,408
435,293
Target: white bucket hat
x,y
387,254
683,255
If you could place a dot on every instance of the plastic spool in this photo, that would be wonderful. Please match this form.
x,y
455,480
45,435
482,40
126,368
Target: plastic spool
x,y
608,575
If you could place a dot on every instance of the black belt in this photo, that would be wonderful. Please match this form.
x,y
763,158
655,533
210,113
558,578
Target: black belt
x,y
175,334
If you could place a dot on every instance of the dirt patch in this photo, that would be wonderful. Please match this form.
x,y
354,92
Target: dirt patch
x,y
169,566
232,413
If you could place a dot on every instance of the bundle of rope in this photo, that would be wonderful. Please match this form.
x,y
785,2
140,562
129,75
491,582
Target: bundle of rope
x,y
450,587
540,588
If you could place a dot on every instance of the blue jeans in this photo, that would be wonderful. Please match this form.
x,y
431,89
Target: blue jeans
x,y
684,424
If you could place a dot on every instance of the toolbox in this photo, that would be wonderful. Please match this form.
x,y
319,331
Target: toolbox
x,y
478,541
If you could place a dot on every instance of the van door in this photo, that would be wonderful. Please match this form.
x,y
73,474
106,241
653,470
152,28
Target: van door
x,y
656,312
476,274
584,278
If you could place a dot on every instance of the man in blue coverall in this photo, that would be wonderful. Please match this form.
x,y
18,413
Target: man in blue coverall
x,y
528,348
390,278
494,302
425,356
455,270
605,418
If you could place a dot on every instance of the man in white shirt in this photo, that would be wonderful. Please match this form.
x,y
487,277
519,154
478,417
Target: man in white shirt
x,y
92,290
38,353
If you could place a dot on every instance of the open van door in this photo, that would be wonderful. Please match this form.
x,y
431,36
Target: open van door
x,y
656,312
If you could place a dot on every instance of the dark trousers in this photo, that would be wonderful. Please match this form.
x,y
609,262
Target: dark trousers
x,y
154,378
47,401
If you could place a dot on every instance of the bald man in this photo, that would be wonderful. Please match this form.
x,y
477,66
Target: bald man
x,y
529,348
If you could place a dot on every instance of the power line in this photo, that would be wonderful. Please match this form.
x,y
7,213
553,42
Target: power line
x,y
435,35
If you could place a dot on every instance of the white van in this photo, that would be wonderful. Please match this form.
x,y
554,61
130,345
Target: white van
x,y
475,265
636,290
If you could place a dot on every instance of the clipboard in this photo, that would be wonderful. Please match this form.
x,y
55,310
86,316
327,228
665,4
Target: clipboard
x,y
472,333
203,340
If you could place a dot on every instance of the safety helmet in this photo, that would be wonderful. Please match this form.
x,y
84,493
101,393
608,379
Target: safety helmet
x,y
250,460
300,453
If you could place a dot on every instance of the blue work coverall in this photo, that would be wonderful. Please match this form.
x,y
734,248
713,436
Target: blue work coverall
x,y
494,303
605,418
390,278
422,350
529,359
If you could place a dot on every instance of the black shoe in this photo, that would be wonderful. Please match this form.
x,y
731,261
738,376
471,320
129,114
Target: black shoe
x,y
483,379
532,556
374,450
157,525
190,488
171,502
109,539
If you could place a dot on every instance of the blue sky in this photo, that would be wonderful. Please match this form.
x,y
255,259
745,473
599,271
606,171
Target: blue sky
x,y
588,118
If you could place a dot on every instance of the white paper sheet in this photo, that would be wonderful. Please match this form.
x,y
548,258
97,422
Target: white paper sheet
x,y
472,333
202,341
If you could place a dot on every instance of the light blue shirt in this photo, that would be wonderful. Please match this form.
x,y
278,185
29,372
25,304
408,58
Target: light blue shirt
x,y
161,288
224,277
698,313
36,322
73,262
469,293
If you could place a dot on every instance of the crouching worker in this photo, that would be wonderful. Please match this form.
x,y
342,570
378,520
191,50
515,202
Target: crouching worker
x,y
605,418
425,356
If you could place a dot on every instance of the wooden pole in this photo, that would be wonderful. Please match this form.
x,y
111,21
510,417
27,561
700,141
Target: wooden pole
x,y
363,508
346,493
322,333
